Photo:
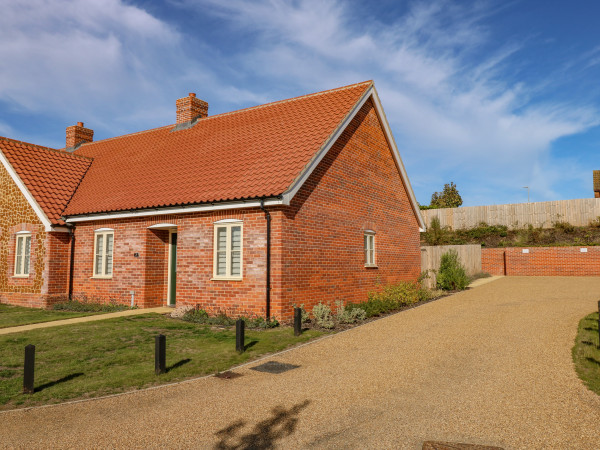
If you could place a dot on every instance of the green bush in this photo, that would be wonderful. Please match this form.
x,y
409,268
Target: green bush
x,y
222,319
391,298
86,306
565,227
322,315
451,275
435,234
345,315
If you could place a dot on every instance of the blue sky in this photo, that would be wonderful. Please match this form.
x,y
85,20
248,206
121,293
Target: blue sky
x,y
493,95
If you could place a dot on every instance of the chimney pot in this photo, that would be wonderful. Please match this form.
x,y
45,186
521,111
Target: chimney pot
x,y
190,108
79,124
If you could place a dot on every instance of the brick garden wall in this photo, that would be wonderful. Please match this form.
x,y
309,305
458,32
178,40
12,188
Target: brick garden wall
x,y
356,187
541,261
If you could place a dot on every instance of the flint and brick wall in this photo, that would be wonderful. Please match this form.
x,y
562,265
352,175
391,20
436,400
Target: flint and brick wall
x,y
541,261
356,187
17,215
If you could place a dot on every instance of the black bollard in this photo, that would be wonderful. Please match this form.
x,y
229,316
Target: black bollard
x,y
239,335
297,321
160,354
28,369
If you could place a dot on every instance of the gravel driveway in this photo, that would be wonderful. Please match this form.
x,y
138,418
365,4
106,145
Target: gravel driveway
x,y
488,366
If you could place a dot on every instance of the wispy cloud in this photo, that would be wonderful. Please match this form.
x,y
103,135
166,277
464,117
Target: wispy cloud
x,y
445,86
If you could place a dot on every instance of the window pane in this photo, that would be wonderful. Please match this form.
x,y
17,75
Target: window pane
x,y
19,255
236,263
99,251
221,238
221,263
236,238
26,255
109,254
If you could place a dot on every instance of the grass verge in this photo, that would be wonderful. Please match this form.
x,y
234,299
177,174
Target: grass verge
x,y
117,355
14,316
586,352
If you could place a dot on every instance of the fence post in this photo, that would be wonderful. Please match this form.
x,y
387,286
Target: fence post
x,y
239,335
297,321
160,354
28,369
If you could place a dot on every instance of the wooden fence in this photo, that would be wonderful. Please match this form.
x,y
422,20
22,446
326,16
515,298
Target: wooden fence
x,y
578,212
469,256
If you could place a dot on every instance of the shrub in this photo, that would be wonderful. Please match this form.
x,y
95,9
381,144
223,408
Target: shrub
x,y
346,315
322,315
435,234
392,298
451,275
565,227
595,223
222,319
86,306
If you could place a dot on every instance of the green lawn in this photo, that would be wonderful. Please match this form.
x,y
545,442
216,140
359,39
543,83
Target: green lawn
x,y
586,354
116,355
13,316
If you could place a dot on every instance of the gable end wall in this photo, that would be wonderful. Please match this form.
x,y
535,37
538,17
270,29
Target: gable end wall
x,y
17,215
356,187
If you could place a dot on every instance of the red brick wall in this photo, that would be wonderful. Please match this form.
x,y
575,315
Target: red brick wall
x,y
147,274
356,187
58,248
542,261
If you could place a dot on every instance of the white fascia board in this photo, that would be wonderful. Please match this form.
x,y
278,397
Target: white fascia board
x,y
162,226
392,143
181,210
34,205
312,165
370,93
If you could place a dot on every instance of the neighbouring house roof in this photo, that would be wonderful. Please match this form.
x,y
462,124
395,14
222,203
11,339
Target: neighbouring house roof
x,y
247,154
49,176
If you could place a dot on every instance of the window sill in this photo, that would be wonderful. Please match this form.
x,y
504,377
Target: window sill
x,y
20,276
226,279
371,266
98,277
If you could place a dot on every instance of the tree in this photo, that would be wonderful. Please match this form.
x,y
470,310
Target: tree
x,y
448,198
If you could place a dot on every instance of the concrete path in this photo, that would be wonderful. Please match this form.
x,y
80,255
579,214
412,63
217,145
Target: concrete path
x,y
489,366
58,323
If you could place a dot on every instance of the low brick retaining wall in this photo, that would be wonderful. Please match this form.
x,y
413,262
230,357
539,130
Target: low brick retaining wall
x,y
541,261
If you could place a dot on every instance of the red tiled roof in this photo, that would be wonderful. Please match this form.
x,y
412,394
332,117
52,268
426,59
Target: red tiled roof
x,y
51,176
250,153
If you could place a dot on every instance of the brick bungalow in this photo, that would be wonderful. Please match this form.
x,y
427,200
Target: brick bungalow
x,y
304,200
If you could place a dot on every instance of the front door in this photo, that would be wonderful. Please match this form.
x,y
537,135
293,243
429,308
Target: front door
x,y
172,268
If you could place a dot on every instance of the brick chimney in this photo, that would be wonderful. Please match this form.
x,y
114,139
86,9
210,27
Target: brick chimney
x,y
597,183
190,108
77,134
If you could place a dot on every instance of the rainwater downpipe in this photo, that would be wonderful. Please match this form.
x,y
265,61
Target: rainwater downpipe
x,y
71,259
268,293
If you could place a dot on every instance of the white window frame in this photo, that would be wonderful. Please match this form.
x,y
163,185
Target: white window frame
x,y
21,267
104,232
369,249
228,224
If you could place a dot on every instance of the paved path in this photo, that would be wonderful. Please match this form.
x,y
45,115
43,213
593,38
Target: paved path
x,y
491,365
58,323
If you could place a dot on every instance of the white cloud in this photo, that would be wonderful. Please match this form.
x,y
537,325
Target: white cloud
x,y
444,94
